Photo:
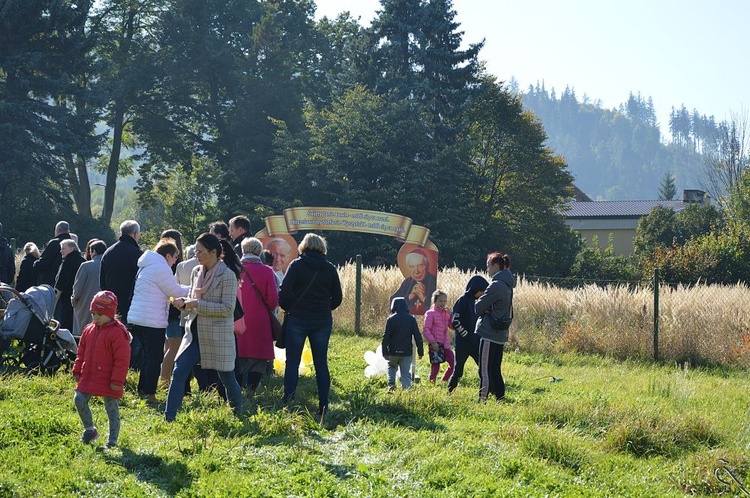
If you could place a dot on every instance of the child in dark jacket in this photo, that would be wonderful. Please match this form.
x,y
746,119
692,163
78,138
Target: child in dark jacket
x,y
102,366
464,321
400,329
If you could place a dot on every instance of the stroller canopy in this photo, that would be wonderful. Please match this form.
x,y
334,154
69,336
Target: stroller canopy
x,y
37,301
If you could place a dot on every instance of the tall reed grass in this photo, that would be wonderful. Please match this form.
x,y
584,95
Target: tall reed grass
x,y
698,325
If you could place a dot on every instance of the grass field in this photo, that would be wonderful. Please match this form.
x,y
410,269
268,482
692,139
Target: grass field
x,y
607,428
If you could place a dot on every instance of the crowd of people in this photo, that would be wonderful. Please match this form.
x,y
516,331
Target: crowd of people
x,y
175,313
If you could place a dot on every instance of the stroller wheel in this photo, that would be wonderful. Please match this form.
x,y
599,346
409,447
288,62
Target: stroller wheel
x,y
8,363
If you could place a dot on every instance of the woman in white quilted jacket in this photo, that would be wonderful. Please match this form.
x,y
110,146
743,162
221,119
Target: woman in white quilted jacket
x,y
149,309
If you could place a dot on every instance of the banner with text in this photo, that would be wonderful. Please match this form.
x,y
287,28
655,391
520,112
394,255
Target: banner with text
x,y
344,219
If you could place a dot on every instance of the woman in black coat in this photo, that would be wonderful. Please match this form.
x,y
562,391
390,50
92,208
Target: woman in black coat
x,y
311,290
27,275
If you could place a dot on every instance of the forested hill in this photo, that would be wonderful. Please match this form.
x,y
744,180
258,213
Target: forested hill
x,y
620,154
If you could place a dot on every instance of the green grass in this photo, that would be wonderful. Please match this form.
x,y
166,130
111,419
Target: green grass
x,y
608,428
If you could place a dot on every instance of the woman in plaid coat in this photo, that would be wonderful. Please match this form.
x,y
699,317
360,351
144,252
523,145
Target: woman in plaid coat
x,y
209,337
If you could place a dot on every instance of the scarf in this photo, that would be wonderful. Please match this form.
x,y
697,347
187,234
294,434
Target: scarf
x,y
251,258
203,282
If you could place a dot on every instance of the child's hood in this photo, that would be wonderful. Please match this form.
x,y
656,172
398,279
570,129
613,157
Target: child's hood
x,y
398,305
476,284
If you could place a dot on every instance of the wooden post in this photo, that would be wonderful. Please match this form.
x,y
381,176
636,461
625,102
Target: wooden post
x,y
358,297
656,314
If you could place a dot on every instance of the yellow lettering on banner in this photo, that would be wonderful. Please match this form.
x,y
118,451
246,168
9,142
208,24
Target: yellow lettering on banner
x,y
343,219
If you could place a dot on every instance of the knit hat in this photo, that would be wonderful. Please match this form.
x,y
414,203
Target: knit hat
x,y
104,303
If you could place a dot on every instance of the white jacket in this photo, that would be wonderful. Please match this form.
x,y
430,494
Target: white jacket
x,y
154,285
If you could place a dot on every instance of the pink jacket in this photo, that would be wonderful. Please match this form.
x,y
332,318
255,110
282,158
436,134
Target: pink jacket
x,y
257,342
103,359
436,324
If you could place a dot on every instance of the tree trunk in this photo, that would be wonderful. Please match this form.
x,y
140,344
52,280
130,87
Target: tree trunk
x,y
114,163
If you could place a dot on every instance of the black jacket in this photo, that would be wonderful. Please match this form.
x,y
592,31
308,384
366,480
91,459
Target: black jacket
x,y
323,295
118,271
27,276
400,329
237,244
7,262
464,318
49,263
64,284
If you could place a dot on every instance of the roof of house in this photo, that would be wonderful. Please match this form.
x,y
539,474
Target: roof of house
x,y
617,209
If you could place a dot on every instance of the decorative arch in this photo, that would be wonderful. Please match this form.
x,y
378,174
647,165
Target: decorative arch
x,y
419,278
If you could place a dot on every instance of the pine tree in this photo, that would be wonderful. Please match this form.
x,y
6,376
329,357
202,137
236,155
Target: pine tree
x,y
43,56
667,190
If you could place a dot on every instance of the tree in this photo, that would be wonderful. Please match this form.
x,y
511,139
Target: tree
x,y
43,56
367,152
225,71
667,190
123,29
417,56
518,188
723,169
665,228
657,229
602,266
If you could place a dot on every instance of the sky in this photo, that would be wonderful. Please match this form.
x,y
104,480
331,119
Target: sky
x,y
677,52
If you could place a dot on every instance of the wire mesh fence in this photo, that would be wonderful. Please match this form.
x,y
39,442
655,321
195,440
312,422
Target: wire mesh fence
x,y
697,325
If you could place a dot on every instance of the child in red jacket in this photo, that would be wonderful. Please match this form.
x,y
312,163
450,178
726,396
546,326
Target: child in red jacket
x,y
101,366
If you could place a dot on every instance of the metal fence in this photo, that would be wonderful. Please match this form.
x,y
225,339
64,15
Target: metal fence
x,y
662,321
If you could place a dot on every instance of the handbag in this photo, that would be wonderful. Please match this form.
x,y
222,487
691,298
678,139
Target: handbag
x,y
238,313
281,343
276,327
437,355
239,318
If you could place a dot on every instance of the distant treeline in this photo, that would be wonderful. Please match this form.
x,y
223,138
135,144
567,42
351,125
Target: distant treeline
x,y
617,154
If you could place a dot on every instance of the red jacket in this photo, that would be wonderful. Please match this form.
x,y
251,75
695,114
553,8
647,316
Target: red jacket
x,y
103,359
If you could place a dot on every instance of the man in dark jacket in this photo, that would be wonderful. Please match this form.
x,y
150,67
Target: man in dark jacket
x,y
117,274
71,261
120,266
464,321
239,229
49,263
7,260
400,329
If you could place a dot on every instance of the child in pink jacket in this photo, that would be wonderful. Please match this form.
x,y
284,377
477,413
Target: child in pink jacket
x,y
437,320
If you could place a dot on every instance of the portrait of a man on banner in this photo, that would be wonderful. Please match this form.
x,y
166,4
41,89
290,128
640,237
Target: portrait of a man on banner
x,y
284,250
419,267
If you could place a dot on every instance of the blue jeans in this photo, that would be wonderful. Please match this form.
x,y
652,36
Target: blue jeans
x,y
403,364
182,369
111,406
318,331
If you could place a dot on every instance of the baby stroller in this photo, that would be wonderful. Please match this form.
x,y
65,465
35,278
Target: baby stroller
x,y
27,318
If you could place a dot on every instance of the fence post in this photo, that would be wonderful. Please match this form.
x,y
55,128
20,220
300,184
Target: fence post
x,y
358,296
656,314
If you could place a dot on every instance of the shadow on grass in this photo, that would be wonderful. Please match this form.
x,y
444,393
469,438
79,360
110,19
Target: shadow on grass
x,y
170,477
